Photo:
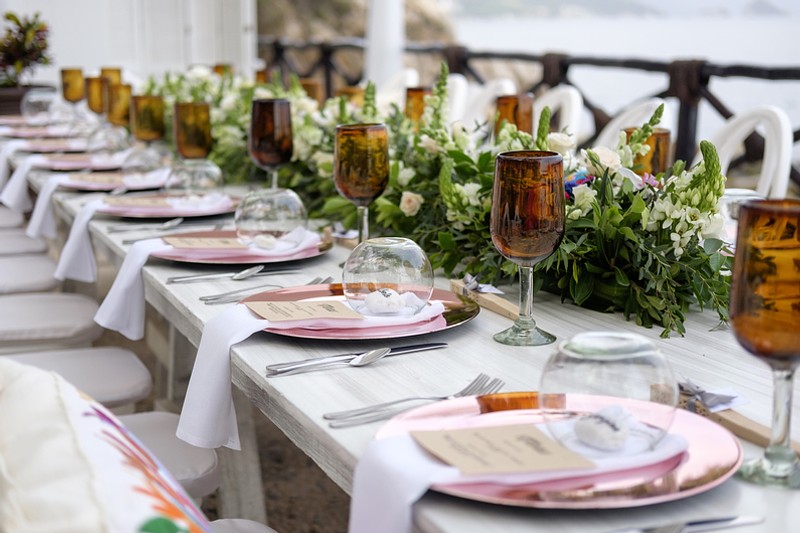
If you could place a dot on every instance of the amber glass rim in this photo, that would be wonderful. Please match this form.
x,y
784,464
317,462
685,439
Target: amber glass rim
x,y
775,205
271,100
521,155
357,127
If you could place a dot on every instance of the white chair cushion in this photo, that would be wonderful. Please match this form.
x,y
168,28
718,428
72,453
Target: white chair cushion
x,y
67,464
239,525
13,242
27,273
113,376
31,322
9,218
196,469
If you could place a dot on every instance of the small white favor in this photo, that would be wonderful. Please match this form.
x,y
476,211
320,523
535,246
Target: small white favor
x,y
607,429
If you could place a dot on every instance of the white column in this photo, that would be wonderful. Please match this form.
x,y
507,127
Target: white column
x,y
385,41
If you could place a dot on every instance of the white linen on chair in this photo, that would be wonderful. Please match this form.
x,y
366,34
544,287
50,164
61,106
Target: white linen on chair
x,y
42,221
15,194
13,241
124,305
564,100
77,257
6,152
26,273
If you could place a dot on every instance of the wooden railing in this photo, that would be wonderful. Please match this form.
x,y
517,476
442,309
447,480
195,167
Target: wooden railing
x,y
688,81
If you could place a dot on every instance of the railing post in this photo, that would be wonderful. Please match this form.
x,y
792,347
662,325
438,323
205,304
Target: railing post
x,y
686,81
456,58
554,69
326,58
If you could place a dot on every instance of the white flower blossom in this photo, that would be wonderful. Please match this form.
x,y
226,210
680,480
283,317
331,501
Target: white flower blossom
x,y
584,196
606,159
405,176
410,203
563,143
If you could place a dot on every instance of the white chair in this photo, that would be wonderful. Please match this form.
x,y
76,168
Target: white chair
x,y
457,90
635,115
481,99
773,124
46,321
567,101
14,241
27,273
111,375
10,218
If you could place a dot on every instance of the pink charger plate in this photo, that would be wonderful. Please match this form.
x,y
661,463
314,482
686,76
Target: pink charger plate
x,y
713,455
168,211
77,184
81,161
457,311
228,256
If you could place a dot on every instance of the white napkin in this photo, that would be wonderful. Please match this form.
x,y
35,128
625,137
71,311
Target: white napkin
x,y
208,419
15,194
77,257
6,152
42,220
288,246
152,179
123,308
395,472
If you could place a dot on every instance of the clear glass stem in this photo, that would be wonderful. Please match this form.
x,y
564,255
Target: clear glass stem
x,y
363,223
525,319
274,174
779,458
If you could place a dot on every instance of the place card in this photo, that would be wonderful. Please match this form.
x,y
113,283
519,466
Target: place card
x,y
70,158
109,178
500,450
285,311
136,201
205,242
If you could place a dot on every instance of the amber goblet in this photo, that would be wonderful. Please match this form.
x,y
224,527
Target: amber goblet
x,y
73,88
415,103
353,94
515,109
119,104
112,74
657,158
527,225
765,315
270,143
147,126
193,141
313,89
361,167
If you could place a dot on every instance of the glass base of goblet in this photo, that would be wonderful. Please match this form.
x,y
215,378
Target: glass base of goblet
x,y
194,175
524,334
762,471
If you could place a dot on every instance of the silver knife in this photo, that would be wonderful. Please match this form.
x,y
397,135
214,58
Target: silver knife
x,y
280,368
696,526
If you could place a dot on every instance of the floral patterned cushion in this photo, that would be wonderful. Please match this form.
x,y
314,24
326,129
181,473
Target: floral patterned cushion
x,y
67,464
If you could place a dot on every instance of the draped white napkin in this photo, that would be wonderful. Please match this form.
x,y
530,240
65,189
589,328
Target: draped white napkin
x,y
15,194
294,243
123,307
395,472
42,220
77,257
208,418
6,152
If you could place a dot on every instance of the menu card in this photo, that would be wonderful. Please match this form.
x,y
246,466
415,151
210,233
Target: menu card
x,y
137,201
285,311
206,242
500,450
112,178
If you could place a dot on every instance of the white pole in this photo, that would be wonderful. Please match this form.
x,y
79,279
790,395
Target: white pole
x,y
385,41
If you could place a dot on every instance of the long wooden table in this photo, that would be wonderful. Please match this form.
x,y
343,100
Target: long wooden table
x,y
708,355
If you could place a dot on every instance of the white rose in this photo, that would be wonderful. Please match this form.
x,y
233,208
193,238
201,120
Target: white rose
x,y
404,176
228,102
563,143
605,157
584,196
429,144
410,203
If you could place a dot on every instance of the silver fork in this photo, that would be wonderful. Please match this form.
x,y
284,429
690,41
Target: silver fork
x,y
477,384
236,295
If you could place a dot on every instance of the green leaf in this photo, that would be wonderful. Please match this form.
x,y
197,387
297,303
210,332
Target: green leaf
x,y
712,245
583,289
446,241
621,278
161,525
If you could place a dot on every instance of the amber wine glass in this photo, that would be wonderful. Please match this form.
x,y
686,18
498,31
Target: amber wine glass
x,y
527,225
415,104
515,109
361,167
112,74
270,143
657,158
193,141
765,317
119,104
147,127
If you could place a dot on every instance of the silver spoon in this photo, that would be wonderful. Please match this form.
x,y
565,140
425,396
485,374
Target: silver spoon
x,y
244,274
364,359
